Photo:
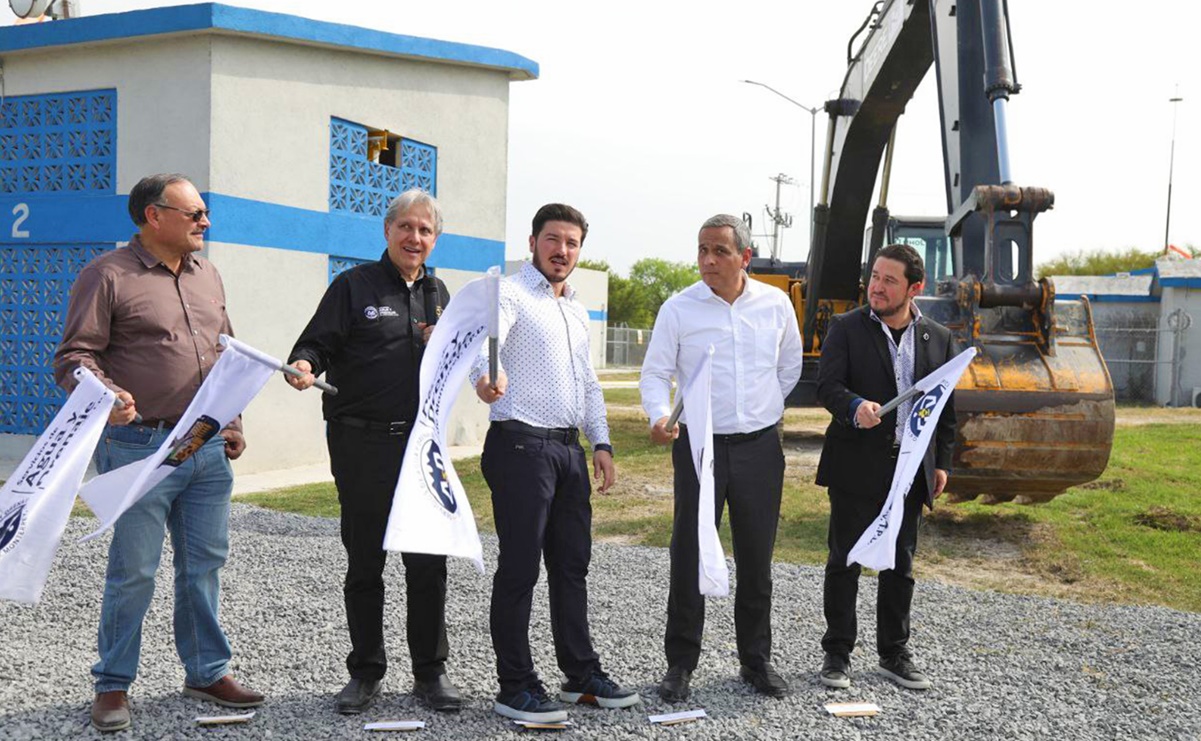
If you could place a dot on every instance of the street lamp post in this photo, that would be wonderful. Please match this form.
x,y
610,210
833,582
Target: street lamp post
x,y
812,144
1171,162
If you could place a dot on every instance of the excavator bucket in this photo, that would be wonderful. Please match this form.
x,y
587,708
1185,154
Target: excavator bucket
x,y
1034,418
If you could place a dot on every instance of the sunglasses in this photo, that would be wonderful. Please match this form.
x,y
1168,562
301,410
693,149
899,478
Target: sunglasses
x,y
196,216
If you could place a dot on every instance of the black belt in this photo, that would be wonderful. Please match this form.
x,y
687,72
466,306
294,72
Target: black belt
x,y
742,437
371,425
154,424
568,435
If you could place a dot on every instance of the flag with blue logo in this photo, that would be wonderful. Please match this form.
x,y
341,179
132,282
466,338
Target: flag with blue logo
x,y
430,512
877,547
714,575
37,499
235,379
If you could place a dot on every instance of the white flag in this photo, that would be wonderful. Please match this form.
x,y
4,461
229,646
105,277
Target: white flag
x,y
235,379
430,511
714,575
37,499
877,547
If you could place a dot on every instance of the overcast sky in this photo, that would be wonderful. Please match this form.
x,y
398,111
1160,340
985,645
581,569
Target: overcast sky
x,y
639,120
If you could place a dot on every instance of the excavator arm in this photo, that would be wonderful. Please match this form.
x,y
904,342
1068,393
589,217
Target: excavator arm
x,y
1036,406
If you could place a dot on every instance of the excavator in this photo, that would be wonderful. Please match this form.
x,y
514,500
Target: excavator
x,y
1036,406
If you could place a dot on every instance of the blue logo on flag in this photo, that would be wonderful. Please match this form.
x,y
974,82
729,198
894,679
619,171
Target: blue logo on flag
x,y
10,526
435,476
923,408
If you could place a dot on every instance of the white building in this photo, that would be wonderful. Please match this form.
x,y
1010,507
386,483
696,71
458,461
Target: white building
x,y
1148,325
277,120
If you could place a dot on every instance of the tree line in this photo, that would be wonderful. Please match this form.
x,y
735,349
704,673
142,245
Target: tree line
x,y
635,300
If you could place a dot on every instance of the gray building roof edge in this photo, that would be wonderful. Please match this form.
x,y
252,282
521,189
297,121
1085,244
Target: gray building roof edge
x,y
227,19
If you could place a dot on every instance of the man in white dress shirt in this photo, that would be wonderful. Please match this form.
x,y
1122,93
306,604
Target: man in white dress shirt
x,y
756,363
545,391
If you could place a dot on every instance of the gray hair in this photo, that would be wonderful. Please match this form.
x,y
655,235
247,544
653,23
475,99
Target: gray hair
x,y
414,197
742,235
149,191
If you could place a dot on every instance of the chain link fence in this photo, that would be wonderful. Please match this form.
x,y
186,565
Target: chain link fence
x,y
1142,353
625,346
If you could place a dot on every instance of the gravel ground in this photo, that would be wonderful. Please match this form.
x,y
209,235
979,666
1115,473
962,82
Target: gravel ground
x,y
1004,666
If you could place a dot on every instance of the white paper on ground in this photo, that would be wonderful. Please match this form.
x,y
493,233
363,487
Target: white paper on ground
x,y
395,725
680,717
852,709
217,720
560,725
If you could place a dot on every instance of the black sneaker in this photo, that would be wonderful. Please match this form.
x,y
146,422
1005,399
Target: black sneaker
x,y
836,672
598,690
531,705
901,670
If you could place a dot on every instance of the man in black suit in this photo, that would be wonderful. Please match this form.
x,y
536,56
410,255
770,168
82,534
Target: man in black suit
x,y
868,356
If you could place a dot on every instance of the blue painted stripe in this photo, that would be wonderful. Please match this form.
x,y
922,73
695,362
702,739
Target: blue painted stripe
x,y
224,18
67,217
258,224
92,219
1116,298
598,316
1180,282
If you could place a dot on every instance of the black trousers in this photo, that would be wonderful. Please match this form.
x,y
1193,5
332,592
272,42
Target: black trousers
x,y
749,476
851,512
541,504
366,465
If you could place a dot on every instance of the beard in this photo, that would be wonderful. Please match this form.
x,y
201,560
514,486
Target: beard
x,y
888,311
549,278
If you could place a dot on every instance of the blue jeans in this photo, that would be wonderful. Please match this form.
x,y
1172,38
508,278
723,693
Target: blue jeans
x,y
193,503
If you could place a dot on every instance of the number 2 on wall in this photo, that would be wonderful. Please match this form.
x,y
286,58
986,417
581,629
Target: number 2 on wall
x,y
21,211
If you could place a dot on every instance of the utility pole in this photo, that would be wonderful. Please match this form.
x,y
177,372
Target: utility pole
x,y
1171,162
812,111
778,218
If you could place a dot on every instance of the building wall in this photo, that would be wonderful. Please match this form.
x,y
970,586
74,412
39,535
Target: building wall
x,y
272,105
249,121
272,110
163,97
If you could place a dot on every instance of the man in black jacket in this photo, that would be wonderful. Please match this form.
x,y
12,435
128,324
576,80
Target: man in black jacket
x,y
368,336
868,356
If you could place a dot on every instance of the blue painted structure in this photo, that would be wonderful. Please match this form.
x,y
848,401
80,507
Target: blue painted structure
x,y
228,19
57,146
58,155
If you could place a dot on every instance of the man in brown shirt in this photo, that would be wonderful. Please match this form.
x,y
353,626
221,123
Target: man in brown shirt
x,y
146,319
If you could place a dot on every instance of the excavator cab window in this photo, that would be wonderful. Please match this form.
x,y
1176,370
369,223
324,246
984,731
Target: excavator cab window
x,y
933,244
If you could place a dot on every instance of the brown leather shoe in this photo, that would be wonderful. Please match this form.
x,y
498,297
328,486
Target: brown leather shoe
x,y
227,692
110,711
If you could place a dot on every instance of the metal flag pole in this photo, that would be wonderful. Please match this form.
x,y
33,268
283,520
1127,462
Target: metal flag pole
x,y
270,362
493,286
326,387
901,399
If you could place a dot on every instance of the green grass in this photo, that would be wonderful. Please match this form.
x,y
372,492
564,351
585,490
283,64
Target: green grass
x,y
1133,536
623,397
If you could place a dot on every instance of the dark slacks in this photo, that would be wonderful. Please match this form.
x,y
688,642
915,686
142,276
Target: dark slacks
x,y
366,465
851,512
748,476
541,504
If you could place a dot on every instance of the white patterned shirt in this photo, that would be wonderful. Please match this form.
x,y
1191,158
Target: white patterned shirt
x,y
902,362
757,358
546,355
